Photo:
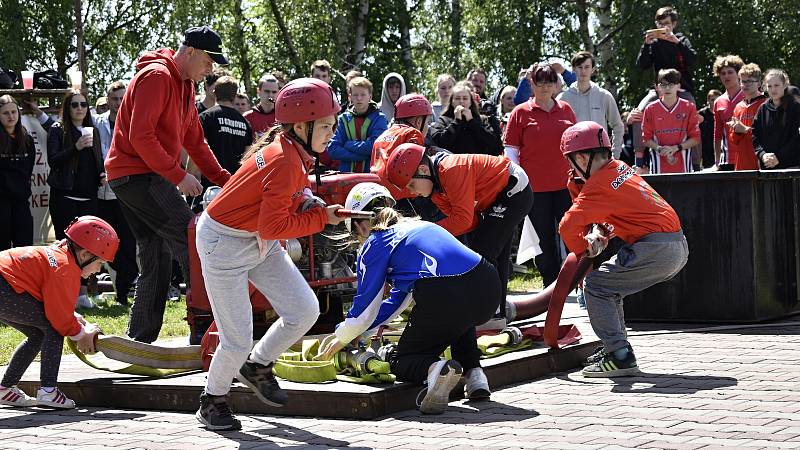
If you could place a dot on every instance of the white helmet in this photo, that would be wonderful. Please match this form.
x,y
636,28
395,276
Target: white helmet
x,y
362,196
209,195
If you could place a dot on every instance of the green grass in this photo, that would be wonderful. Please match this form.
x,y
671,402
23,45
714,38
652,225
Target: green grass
x,y
525,282
112,319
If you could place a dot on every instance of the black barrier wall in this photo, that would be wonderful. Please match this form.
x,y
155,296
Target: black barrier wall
x,y
744,249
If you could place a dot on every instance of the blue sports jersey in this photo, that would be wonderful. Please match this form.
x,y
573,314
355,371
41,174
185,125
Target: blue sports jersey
x,y
400,255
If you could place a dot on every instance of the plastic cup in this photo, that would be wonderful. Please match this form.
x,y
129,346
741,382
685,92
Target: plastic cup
x,y
27,79
88,131
77,79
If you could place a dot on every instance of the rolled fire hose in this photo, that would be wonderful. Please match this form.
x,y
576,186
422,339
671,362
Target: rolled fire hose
x,y
144,359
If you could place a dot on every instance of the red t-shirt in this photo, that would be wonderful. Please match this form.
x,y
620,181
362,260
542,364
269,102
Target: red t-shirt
x,y
740,146
617,196
50,275
670,126
260,121
537,134
723,111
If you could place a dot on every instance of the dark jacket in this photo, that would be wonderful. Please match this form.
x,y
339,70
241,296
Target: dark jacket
x,y
16,170
458,136
775,130
64,159
666,55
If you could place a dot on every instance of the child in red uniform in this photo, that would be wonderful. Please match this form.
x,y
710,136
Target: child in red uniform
x,y
609,198
411,119
484,195
238,239
740,128
669,128
38,291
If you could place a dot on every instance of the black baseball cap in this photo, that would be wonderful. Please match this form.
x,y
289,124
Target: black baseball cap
x,y
206,39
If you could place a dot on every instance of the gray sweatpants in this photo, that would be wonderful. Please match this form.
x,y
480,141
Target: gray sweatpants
x,y
229,258
654,258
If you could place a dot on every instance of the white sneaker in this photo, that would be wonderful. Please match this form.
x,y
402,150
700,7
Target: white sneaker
x,y
55,399
84,301
443,375
14,396
476,386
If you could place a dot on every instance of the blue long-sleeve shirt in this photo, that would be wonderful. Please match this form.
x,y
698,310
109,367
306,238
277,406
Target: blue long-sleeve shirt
x,y
524,88
400,255
352,147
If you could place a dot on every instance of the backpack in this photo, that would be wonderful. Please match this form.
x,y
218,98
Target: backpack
x,y
49,79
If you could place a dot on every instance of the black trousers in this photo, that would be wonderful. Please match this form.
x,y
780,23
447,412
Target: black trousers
x,y
492,238
158,217
445,313
125,261
63,210
549,208
16,223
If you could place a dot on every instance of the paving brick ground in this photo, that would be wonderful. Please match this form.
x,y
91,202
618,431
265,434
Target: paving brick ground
x,y
722,389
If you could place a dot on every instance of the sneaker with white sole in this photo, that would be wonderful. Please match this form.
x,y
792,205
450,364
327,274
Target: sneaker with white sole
x,y
476,386
14,396
55,399
609,366
443,375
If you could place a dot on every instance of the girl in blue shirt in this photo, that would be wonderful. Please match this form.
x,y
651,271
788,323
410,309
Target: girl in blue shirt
x,y
452,287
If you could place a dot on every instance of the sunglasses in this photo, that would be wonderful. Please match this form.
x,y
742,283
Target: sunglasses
x,y
76,105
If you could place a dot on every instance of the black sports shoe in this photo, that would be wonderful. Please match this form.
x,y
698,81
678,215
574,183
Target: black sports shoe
x,y
215,413
609,366
595,357
261,380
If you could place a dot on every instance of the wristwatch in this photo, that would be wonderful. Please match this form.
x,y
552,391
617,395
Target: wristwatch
x,y
680,147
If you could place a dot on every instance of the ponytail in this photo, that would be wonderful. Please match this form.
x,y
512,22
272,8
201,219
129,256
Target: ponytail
x,y
387,217
266,139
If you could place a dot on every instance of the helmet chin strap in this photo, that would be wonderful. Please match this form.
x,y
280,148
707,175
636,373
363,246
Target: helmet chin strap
x,y
81,265
584,173
307,147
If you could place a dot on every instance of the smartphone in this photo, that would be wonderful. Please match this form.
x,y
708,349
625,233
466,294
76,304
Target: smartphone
x,y
657,32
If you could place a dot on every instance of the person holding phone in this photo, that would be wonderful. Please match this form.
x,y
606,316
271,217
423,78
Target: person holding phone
x,y
663,48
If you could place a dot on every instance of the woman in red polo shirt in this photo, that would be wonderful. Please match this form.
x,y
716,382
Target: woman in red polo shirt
x,y
532,140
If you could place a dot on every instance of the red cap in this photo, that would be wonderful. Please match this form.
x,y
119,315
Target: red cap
x,y
94,235
305,100
411,105
403,163
584,135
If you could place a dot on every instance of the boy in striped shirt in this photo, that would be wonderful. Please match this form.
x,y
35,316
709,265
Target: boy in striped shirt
x,y
669,129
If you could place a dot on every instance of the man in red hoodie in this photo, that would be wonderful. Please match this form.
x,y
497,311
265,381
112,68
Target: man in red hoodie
x,y
156,120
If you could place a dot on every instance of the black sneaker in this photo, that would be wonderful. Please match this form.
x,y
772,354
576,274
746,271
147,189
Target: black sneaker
x,y
609,366
595,357
215,413
261,380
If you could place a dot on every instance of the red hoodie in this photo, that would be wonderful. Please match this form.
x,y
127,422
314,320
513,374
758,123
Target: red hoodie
x,y
156,120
